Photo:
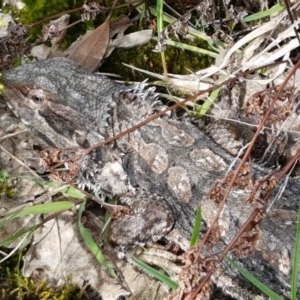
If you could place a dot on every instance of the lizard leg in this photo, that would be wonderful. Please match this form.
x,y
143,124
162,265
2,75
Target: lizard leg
x,y
152,219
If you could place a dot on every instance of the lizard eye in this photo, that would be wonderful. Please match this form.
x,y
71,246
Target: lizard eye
x,y
37,98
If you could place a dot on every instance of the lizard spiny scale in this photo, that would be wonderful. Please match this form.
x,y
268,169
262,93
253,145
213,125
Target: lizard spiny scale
x,y
168,157
51,110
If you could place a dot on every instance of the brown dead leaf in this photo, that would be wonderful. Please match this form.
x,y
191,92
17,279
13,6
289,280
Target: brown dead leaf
x,y
89,52
118,26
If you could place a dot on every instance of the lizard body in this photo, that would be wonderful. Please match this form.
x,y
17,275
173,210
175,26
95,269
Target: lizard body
x,y
71,108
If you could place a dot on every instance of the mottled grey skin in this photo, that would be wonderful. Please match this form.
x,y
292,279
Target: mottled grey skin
x,y
172,158
69,107
51,80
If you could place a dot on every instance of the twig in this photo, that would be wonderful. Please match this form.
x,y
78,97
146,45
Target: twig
x,y
245,157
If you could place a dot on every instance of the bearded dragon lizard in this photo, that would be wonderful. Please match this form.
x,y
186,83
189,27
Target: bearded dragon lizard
x,y
162,171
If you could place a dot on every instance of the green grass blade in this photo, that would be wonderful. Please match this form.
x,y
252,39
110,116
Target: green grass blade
x,y
169,19
276,8
90,243
159,16
46,208
191,48
161,277
295,265
17,235
142,14
107,219
208,103
266,290
68,190
159,28
197,227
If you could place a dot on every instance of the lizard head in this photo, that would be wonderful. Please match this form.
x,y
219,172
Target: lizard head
x,y
69,106
60,100
60,125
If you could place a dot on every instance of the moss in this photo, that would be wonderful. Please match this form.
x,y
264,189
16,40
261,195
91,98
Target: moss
x,y
14,286
178,61
36,10
5,186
